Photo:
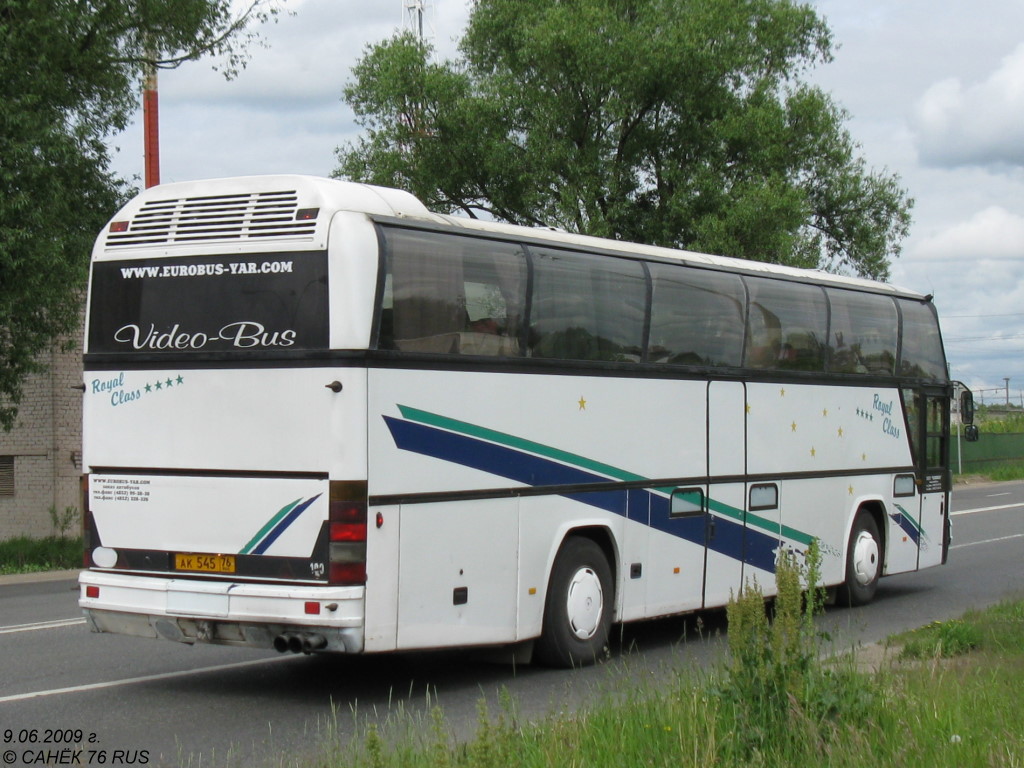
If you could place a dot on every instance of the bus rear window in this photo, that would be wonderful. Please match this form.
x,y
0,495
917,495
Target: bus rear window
x,y
262,302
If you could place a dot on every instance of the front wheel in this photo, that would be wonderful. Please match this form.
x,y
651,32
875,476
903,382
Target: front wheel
x,y
578,609
863,561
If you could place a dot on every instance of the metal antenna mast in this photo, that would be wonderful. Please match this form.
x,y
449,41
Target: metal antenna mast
x,y
415,11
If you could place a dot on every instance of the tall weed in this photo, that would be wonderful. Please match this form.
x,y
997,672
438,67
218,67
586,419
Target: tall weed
x,y
778,699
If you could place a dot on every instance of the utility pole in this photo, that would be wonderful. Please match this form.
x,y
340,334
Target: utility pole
x,y
151,120
1006,381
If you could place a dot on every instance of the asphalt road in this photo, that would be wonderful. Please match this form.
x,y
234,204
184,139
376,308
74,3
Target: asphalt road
x,y
155,703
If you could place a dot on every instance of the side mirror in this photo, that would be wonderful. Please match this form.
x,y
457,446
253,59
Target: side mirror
x,y
967,407
971,433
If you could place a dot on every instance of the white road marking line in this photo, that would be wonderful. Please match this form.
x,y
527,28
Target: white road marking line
x,y
988,541
985,509
145,679
40,625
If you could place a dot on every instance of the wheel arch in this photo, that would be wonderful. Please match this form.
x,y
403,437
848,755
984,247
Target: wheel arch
x,y
876,509
605,539
602,536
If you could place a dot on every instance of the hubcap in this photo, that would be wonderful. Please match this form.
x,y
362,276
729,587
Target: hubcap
x,y
585,603
865,558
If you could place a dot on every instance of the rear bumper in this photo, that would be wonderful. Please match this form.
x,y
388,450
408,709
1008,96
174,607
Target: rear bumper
x,y
224,613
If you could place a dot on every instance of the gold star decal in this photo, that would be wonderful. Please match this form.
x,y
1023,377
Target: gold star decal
x,y
840,431
748,407
782,392
814,452
851,490
824,412
863,457
582,403
793,426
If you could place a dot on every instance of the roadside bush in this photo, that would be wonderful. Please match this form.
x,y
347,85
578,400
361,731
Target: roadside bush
x,y
779,702
52,553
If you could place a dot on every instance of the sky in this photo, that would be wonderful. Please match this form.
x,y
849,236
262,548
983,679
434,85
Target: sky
x,y
934,92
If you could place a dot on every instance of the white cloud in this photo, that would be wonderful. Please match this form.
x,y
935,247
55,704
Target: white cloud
x,y
975,124
284,112
975,269
992,234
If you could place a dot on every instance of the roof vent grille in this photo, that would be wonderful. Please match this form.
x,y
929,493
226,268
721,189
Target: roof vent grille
x,y
215,218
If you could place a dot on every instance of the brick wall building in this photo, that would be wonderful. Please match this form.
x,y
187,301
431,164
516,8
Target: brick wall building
x,y
41,458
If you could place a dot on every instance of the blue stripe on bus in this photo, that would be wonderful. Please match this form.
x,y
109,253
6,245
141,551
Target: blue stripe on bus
x,y
731,538
907,524
282,526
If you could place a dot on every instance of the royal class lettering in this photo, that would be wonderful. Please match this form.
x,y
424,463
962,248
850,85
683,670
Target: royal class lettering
x,y
209,270
107,385
241,335
115,386
885,410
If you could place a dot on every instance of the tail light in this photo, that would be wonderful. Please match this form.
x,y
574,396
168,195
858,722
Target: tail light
x,y
347,533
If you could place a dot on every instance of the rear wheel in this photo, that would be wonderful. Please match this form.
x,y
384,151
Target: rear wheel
x,y
578,609
863,561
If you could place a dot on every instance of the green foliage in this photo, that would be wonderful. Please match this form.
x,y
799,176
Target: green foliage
x,y
777,696
919,715
673,122
63,521
69,76
1010,470
28,555
941,639
999,423
999,629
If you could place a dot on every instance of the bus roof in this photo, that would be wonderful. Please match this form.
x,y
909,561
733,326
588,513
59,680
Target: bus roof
x,y
146,213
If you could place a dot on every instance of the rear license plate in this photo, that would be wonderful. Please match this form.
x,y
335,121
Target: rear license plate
x,y
204,563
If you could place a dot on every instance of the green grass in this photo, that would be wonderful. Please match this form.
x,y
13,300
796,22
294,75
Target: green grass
x,y
1005,471
774,702
28,555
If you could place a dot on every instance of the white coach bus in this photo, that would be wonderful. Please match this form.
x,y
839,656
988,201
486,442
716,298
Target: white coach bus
x,y
319,417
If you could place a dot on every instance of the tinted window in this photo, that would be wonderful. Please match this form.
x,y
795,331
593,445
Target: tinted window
x,y
696,317
921,354
586,307
209,303
452,295
786,326
863,333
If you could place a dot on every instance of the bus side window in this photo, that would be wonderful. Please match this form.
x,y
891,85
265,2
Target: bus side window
x,y
587,307
863,332
452,295
696,317
787,325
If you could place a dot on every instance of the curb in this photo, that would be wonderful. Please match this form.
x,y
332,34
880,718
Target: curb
x,y
40,576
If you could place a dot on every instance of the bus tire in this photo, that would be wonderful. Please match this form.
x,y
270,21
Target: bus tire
x,y
863,561
578,608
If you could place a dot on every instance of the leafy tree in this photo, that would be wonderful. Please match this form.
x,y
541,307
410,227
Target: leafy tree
x,y
69,72
683,123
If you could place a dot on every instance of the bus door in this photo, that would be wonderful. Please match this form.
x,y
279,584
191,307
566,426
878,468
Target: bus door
x,y
727,466
928,421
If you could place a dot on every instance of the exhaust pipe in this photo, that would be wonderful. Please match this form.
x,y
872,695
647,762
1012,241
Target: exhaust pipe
x,y
284,642
299,643
312,643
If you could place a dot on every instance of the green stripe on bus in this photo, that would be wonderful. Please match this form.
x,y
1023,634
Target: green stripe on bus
x,y
511,441
910,519
247,549
519,443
